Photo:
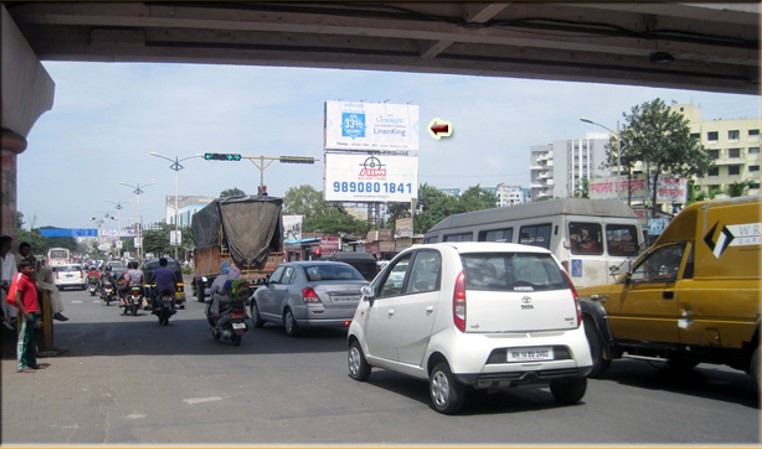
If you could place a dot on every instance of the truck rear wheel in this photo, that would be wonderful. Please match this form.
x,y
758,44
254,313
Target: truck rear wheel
x,y
200,287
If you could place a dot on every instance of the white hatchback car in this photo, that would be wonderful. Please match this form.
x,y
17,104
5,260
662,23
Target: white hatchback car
x,y
473,314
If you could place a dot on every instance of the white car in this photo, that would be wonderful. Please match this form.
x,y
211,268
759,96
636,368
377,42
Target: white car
x,y
70,275
473,314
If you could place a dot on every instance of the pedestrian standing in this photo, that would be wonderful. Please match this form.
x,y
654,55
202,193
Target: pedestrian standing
x,y
23,295
7,270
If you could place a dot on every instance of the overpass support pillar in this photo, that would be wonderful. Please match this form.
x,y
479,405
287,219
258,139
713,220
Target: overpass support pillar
x,y
27,91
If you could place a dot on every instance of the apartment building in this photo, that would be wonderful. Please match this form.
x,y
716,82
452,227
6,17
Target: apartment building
x,y
511,195
559,169
732,143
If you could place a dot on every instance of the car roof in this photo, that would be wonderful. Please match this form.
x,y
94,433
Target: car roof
x,y
485,247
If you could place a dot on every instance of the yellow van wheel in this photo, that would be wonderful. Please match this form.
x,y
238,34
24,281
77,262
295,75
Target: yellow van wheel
x,y
754,370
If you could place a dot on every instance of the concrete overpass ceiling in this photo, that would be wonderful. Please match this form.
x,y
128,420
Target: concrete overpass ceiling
x,y
712,47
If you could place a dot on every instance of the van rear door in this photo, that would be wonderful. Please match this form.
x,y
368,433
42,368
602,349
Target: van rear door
x,y
517,292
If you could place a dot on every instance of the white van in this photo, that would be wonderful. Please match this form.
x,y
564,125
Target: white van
x,y
589,237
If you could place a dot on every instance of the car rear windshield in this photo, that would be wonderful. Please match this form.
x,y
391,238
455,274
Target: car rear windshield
x,y
332,272
67,268
512,272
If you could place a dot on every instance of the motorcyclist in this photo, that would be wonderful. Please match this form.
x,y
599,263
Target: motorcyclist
x,y
107,279
94,277
132,277
221,290
164,279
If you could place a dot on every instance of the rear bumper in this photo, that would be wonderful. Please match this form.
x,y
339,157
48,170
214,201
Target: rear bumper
x,y
518,378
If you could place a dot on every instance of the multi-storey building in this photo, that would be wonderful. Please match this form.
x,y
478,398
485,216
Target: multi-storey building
x,y
732,143
511,195
559,169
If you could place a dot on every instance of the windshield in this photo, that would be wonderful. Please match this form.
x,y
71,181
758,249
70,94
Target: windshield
x,y
512,272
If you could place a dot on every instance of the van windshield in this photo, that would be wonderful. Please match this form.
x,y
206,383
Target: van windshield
x,y
512,272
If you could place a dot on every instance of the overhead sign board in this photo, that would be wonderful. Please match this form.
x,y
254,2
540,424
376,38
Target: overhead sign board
x,y
669,189
370,178
371,126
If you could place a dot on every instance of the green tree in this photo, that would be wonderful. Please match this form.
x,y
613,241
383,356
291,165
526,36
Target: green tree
x,y
476,198
235,191
319,215
660,139
433,206
739,188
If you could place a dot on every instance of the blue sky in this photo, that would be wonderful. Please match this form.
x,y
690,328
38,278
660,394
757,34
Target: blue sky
x,y
108,117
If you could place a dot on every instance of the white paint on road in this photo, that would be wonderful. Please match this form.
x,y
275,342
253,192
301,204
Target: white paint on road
x,y
136,416
202,400
76,301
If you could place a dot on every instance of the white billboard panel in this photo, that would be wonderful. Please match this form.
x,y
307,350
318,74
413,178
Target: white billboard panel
x,y
370,126
370,178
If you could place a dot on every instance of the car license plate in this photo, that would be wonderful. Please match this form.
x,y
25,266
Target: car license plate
x,y
530,354
237,326
345,298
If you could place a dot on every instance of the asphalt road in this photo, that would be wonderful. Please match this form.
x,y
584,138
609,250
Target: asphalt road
x,y
126,380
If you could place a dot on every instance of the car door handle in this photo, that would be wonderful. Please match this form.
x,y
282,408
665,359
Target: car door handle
x,y
390,312
668,294
429,309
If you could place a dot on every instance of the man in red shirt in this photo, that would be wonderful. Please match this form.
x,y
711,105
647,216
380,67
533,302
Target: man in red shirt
x,y
23,295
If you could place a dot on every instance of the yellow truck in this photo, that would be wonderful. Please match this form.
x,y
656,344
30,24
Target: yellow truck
x,y
693,296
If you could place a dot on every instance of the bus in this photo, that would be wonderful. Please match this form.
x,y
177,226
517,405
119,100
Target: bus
x,y
58,256
591,238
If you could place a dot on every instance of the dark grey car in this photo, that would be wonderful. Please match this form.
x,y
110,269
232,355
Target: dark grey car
x,y
308,293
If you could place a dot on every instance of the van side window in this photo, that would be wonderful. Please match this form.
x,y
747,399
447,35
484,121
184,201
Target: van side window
x,y
585,238
462,237
425,273
661,265
395,280
496,235
537,235
621,240
431,239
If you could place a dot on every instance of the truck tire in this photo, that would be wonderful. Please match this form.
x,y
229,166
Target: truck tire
x,y
200,290
594,340
754,370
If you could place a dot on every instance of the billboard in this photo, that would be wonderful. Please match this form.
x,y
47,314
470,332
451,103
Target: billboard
x,y
370,126
669,189
370,178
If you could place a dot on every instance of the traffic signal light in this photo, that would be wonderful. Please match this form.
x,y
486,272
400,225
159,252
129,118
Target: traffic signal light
x,y
222,157
296,160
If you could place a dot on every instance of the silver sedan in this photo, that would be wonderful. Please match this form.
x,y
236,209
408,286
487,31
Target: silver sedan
x,y
306,294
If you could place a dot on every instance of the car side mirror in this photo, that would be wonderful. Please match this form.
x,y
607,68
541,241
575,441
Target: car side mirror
x,y
367,293
261,281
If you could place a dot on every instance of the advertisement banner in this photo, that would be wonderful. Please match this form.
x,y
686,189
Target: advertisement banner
x,y
403,227
370,126
370,178
292,227
669,189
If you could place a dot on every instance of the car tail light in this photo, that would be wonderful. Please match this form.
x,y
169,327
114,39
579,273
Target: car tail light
x,y
459,303
310,296
576,298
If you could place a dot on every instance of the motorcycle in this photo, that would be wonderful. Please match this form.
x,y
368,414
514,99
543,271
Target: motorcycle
x,y
108,294
92,287
231,323
133,300
164,307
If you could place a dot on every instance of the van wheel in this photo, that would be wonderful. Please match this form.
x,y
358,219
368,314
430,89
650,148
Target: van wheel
x,y
600,364
359,369
569,390
754,370
289,323
447,394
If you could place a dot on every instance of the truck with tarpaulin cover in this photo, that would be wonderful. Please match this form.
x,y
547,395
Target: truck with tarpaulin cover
x,y
244,231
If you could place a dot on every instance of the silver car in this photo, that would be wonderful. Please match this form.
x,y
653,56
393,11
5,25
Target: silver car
x,y
308,293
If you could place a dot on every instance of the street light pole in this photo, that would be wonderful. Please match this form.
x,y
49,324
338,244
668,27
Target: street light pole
x,y
176,167
137,190
118,205
618,152
262,190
